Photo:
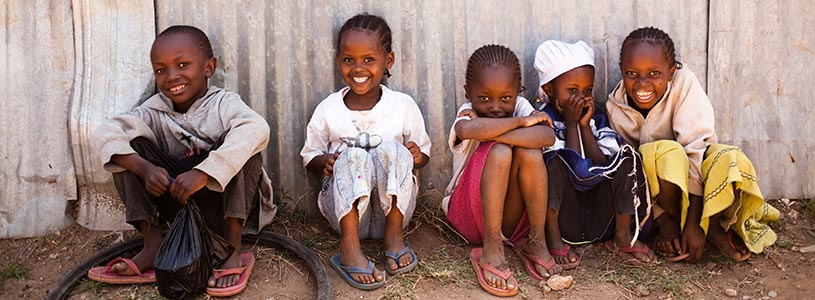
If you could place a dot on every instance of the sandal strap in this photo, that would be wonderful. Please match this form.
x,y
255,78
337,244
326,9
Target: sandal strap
x,y
218,273
630,249
358,270
130,264
534,258
563,251
398,254
505,274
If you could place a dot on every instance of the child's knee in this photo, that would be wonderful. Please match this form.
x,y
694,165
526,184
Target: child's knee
x,y
500,153
351,155
527,155
391,149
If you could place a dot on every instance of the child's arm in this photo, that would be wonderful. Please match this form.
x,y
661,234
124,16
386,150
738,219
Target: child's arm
x,y
419,159
323,164
156,179
577,112
487,129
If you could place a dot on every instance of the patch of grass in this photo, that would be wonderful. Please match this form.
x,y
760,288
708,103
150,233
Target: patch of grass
x,y
810,208
14,270
86,285
655,278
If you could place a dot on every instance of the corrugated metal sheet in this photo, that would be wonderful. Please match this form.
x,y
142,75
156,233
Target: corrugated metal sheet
x,y
113,75
68,65
36,73
279,56
760,81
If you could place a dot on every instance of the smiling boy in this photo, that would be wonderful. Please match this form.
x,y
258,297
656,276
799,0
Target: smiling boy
x,y
188,141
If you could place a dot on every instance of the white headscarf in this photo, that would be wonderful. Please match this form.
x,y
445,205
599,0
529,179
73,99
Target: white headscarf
x,y
555,57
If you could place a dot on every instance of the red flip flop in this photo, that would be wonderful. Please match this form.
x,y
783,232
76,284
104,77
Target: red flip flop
x,y
105,275
480,268
611,247
564,252
530,260
248,262
733,246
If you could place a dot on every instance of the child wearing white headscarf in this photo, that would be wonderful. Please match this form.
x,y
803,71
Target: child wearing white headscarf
x,y
597,188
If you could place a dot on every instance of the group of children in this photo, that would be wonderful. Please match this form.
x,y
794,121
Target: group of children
x,y
538,181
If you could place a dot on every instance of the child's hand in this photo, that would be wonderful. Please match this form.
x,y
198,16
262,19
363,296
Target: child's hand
x,y
588,111
187,184
418,158
469,113
328,170
156,179
571,109
535,118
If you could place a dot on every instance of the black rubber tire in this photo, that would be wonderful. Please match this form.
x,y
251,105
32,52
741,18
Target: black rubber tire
x,y
63,287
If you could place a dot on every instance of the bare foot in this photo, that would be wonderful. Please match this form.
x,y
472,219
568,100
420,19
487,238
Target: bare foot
x,y
554,242
351,255
232,233
394,240
539,248
731,245
144,259
494,256
624,240
667,242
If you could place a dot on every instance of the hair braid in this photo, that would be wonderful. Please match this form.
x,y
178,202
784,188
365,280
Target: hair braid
x,y
370,23
654,36
492,55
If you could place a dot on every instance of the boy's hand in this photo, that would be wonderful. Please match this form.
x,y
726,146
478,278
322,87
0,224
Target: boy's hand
x,y
187,184
588,111
418,158
469,113
156,179
535,118
328,170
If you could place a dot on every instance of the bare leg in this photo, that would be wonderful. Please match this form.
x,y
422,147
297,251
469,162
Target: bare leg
x,y
393,237
720,238
144,259
351,250
670,199
232,234
528,191
553,238
623,236
494,179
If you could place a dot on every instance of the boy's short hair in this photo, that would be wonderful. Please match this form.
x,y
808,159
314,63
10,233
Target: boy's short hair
x,y
198,37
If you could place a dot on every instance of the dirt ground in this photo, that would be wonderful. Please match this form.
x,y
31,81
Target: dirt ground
x,y
786,271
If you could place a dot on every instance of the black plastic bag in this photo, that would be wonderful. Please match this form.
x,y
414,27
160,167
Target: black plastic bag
x,y
187,255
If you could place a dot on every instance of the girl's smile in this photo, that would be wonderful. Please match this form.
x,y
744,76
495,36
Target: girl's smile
x,y
646,73
362,62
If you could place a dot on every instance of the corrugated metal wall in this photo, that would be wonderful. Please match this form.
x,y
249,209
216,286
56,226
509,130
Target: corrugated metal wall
x,y
761,61
113,74
36,72
279,55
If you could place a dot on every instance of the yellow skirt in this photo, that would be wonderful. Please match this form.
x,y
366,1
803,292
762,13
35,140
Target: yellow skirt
x,y
730,188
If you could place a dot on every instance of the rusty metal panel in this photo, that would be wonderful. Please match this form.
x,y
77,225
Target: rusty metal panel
x,y
113,75
36,72
279,55
760,80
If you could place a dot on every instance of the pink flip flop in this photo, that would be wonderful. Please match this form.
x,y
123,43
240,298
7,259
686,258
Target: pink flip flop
x,y
480,268
106,275
248,262
564,252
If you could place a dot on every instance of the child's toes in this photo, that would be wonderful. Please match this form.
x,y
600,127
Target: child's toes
x,y
405,260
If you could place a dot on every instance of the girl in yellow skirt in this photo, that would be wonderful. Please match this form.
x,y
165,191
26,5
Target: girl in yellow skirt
x,y
703,190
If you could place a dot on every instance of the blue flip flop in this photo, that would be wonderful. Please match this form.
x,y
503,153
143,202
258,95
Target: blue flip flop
x,y
396,256
345,273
